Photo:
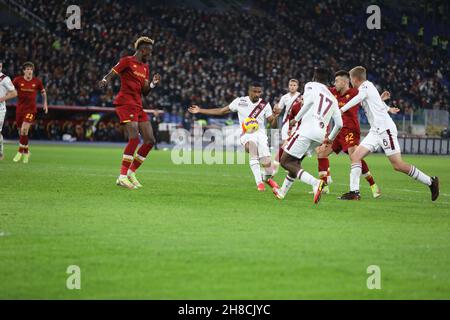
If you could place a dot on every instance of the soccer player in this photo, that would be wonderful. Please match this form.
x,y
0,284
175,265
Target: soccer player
x,y
348,138
7,91
286,102
27,87
134,74
256,143
383,133
319,106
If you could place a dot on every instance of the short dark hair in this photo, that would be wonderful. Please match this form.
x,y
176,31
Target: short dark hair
x,y
342,73
256,84
321,75
28,64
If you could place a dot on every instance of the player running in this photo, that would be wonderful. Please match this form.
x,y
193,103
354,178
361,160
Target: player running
x,y
319,106
383,133
134,74
7,92
27,87
348,138
286,102
256,143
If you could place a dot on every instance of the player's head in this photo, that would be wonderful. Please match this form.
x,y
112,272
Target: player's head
x,y
321,75
255,91
28,69
342,80
357,76
293,85
144,46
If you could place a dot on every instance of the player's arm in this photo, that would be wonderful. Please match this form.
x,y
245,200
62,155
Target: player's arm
x,y
150,85
338,124
273,119
386,95
44,97
107,79
308,102
362,94
9,95
11,90
194,109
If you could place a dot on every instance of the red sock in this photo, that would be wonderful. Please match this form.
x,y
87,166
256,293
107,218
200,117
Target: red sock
x,y
23,144
324,164
366,173
140,156
128,153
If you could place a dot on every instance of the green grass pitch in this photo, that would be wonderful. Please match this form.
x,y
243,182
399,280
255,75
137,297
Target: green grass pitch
x,y
204,232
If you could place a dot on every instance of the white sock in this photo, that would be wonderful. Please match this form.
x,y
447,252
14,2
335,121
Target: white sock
x,y
287,184
305,177
121,176
419,176
268,173
355,175
256,169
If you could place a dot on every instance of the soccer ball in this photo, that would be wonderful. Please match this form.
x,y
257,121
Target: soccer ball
x,y
250,125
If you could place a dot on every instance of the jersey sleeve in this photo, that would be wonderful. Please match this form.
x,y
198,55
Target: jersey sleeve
x,y
234,105
361,96
8,84
268,111
16,83
121,65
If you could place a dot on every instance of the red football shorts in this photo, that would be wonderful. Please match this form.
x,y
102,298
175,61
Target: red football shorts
x,y
131,113
22,117
346,139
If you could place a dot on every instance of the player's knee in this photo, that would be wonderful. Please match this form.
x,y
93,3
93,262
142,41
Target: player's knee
x,y
265,162
149,140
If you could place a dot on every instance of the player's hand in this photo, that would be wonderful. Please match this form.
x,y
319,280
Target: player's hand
x,y
156,78
102,83
276,111
386,95
194,109
326,142
292,123
394,110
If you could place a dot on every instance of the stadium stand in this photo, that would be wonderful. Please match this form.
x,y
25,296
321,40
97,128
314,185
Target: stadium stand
x,y
209,56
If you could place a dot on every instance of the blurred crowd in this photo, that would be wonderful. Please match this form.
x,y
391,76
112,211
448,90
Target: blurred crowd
x,y
208,58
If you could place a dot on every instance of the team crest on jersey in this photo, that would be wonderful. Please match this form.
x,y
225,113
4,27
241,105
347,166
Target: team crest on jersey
x,y
34,85
22,84
347,96
134,66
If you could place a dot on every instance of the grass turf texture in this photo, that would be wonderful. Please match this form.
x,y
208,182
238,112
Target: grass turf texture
x,y
204,232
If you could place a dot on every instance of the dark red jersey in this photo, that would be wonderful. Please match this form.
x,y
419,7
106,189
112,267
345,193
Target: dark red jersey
x,y
132,79
26,93
349,118
295,109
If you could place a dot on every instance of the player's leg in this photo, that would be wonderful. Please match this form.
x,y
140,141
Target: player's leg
x,y
376,192
355,173
132,130
24,130
2,119
296,149
284,137
323,153
19,122
148,142
251,148
399,165
265,159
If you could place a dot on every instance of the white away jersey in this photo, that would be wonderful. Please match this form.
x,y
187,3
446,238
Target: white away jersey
x,y
6,86
319,106
375,108
246,108
286,102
